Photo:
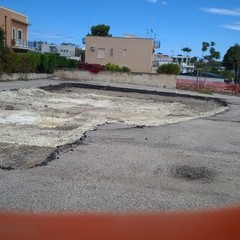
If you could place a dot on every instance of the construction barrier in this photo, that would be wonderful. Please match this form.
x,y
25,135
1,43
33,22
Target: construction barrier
x,y
215,85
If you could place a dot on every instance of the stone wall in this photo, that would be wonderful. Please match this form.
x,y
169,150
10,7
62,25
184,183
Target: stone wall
x,y
154,80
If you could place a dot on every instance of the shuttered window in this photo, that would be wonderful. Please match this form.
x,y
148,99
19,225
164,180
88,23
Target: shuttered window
x,y
124,52
111,52
19,34
13,33
101,53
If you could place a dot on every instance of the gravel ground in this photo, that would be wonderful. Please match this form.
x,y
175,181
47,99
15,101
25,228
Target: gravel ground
x,y
120,167
34,122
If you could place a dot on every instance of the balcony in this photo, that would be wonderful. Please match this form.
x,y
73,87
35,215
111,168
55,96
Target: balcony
x,y
19,44
156,44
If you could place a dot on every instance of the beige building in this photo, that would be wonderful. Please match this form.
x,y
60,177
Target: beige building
x,y
135,53
15,26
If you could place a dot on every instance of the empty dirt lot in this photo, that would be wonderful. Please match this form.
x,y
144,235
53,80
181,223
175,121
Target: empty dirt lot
x,y
70,148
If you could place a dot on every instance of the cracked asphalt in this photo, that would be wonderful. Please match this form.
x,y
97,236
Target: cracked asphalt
x,y
118,168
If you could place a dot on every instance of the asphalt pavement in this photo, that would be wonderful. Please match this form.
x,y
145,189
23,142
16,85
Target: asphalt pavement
x,y
119,168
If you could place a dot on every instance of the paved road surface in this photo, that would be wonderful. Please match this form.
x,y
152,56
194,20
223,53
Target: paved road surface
x,y
188,165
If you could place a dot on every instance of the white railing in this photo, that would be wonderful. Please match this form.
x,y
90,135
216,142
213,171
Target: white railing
x,y
20,43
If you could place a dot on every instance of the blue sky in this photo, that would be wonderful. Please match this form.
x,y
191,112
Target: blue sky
x,y
176,23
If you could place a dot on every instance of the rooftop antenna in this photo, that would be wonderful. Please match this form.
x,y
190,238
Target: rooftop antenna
x,y
150,31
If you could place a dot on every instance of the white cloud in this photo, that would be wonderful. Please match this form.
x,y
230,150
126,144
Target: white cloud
x,y
156,1
46,35
222,11
226,12
152,1
50,37
233,26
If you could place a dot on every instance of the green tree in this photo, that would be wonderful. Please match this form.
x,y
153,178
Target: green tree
x,y
231,60
228,74
213,54
5,54
100,30
2,38
194,60
205,46
209,62
186,50
170,68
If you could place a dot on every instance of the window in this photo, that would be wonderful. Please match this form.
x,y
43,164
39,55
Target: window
x,y
19,36
101,53
111,52
124,52
13,33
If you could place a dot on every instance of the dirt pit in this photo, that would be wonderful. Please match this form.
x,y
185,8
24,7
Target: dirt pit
x,y
47,119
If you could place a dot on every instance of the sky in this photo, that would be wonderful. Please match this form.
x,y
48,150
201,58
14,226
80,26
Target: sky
x,y
176,23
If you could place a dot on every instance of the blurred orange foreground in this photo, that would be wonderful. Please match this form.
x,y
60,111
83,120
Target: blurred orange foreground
x,y
220,224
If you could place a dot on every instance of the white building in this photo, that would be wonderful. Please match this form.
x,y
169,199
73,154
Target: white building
x,y
65,50
183,61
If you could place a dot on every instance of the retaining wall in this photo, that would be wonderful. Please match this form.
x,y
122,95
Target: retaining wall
x,y
23,76
154,80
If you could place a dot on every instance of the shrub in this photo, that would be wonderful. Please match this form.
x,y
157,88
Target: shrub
x,y
6,59
32,62
25,62
93,68
126,69
170,68
116,68
113,67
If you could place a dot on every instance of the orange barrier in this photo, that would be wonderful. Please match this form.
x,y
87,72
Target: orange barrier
x,y
220,224
187,84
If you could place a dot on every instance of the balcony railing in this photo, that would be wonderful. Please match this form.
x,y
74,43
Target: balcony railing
x,y
156,44
20,43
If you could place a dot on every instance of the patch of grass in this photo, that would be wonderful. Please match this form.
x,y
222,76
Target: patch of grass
x,y
205,91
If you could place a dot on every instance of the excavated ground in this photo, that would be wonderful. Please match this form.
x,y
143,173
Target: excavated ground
x,y
35,124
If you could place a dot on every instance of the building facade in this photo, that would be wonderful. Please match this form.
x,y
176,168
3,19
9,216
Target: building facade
x,y
15,26
65,50
134,53
184,62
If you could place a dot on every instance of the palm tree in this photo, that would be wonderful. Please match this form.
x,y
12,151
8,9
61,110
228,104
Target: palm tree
x,y
187,50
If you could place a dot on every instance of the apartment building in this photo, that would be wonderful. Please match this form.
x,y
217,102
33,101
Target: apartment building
x,y
15,26
65,50
184,62
135,53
